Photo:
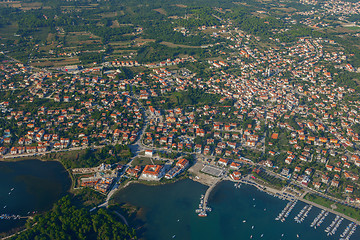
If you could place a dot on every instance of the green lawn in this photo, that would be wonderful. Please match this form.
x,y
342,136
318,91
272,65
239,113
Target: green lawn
x,y
349,211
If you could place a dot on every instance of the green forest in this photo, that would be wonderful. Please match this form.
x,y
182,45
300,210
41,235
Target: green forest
x,y
66,221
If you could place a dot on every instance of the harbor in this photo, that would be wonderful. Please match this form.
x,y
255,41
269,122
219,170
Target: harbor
x,y
349,231
203,207
319,219
286,211
303,214
162,205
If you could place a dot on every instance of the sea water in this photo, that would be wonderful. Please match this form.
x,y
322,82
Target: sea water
x,y
30,186
237,213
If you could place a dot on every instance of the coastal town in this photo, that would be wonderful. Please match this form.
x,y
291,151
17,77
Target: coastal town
x,y
291,124
279,115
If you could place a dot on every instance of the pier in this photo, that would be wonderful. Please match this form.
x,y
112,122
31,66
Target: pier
x,y
5,216
208,191
203,208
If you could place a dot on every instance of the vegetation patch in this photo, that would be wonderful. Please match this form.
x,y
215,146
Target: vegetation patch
x,y
348,211
66,221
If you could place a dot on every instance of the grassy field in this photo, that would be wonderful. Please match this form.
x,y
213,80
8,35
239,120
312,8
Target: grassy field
x,y
8,31
349,211
145,161
173,45
354,28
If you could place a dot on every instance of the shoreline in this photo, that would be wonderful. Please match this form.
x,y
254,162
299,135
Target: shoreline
x,y
205,182
35,158
22,228
265,189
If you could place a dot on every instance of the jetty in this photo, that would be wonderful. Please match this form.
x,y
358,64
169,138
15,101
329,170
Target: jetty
x,y
203,207
318,220
303,214
286,211
6,216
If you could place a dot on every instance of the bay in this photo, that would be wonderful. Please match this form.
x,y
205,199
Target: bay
x,y
30,186
238,213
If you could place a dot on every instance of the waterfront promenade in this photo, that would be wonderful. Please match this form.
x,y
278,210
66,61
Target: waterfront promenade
x,y
289,197
330,210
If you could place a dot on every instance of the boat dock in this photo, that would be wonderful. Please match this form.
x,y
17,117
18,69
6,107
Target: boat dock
x,y
286,211
349,230
203,207
303,214
318,220
6,216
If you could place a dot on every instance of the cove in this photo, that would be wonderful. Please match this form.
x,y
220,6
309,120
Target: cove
x,y
30,186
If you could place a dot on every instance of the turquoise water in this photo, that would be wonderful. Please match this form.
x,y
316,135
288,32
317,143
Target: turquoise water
x,y
36,186
169,213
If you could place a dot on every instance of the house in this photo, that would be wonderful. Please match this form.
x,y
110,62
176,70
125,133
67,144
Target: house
x,y
180,166
325,179
235,166
235,176
317,185
349,189
153,172
268,163
274,136
183,163
334,183
329,167
250,143
133,172
308,171
223,162
148,153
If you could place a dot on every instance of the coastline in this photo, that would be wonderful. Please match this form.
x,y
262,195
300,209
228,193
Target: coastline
x,y
8,233
40,158
267,189
201,178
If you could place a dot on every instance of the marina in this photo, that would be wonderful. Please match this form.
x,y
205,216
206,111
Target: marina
x,y
303,214
286,211
349,231
162,205
319,219
331,229
203,209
